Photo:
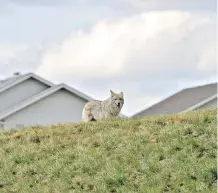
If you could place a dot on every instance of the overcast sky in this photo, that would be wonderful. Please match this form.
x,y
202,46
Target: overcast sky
x,y
149,49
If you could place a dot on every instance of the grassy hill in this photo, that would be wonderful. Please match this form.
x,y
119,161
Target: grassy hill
x,y
157,154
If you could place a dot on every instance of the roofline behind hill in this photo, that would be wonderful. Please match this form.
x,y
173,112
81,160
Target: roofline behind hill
x,y
145,109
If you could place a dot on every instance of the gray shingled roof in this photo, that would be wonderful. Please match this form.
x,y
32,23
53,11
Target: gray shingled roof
x,y
180,101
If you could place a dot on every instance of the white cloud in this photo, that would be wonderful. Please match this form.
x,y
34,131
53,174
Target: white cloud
x,y
149,41
208,59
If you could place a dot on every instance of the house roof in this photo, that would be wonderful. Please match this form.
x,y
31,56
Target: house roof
x,y
40,96
14,80
186,99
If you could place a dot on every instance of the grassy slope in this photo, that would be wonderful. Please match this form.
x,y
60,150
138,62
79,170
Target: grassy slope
x,y
162,154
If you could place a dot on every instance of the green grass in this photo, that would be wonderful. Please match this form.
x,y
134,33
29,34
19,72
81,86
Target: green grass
x,y
175,153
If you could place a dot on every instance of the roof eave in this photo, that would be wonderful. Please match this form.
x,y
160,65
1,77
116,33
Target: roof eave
x,y
200,103
23,78
76,92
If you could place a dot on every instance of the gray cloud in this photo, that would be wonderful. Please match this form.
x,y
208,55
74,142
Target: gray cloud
x,y
53,3
136,5
188,5
32,22
38,2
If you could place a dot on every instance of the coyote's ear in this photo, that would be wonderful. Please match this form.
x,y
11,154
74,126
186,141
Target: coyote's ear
x,y
121,94
112,93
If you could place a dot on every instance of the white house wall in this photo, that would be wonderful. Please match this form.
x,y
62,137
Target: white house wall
x,y
211,104
20,92
60,107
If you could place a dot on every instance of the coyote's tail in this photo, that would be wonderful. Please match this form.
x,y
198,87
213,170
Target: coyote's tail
x,y
86,114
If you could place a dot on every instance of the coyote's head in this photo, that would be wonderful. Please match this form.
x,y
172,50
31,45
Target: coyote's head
x,y
117,100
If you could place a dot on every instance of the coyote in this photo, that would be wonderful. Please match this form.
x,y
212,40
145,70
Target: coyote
x,y
101,110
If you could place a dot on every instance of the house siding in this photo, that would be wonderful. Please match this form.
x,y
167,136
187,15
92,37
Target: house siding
x,y
209,105
60,107
20,92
